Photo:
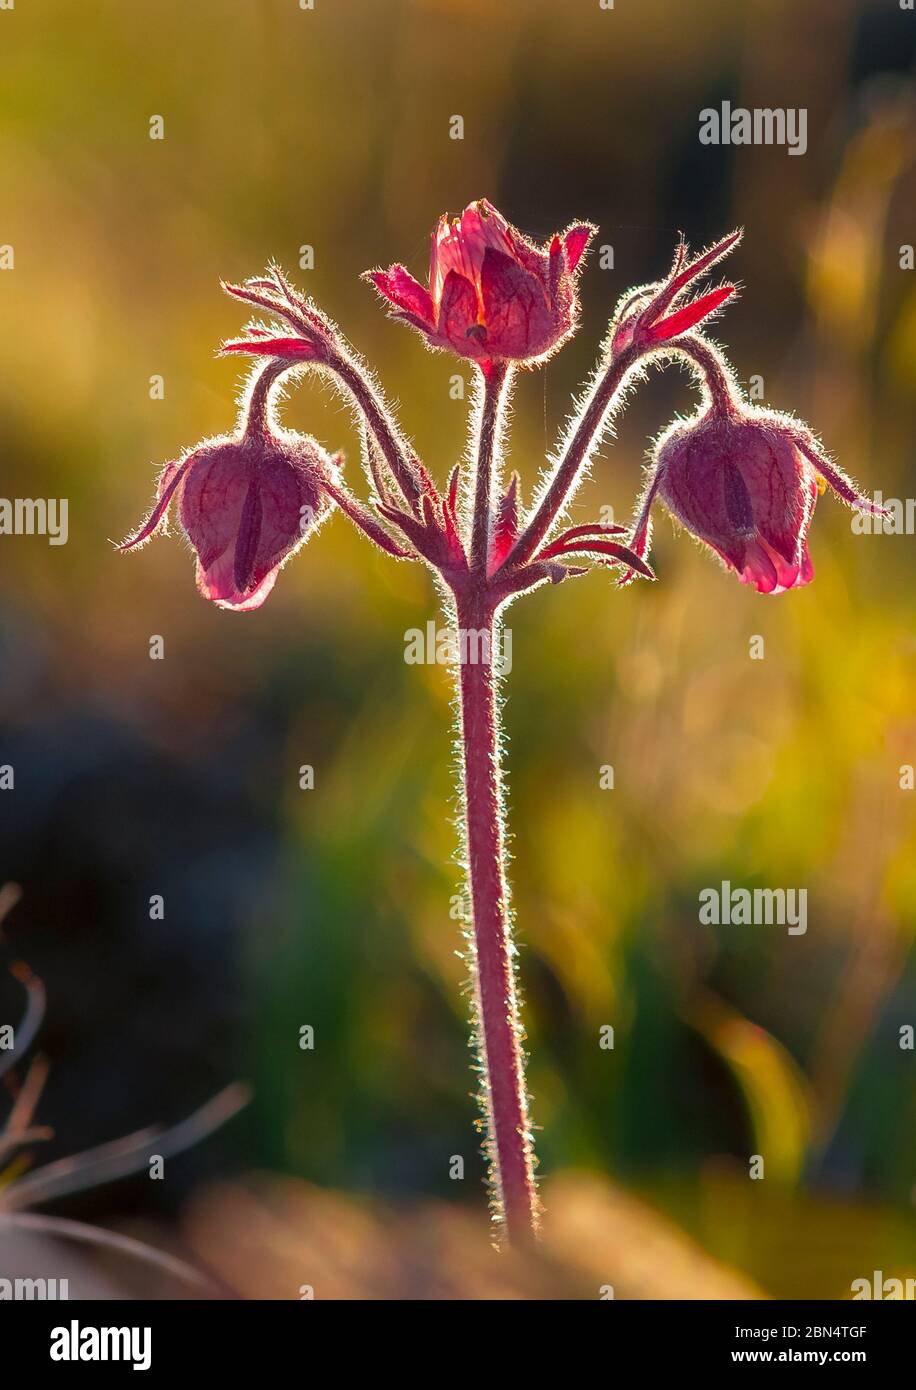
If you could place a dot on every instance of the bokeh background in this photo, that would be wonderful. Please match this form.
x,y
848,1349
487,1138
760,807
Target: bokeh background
x,y
331,908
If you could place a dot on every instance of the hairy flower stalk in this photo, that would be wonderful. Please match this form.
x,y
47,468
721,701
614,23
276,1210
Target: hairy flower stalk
x,y
741,480
496,384
498,1031
498,1027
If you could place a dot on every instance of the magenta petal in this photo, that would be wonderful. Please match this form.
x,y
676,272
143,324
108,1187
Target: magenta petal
x,y
169,479
260,344
381,280
518,321
404,316
759,569
703,262
458,310
680,277
399,286
249,535
691,314
575,242
216,584
411,293
213,498
770,573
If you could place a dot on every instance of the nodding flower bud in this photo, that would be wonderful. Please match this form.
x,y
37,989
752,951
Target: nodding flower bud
x,y
741,485
246,501
744,481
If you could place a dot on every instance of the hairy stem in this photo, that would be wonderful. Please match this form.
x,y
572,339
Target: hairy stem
x,y
381,425
495,391
509,1146
713,372
363,520
569,469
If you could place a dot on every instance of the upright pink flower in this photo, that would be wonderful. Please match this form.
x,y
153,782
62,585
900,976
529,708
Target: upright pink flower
x,y
744,481
246,501
493,295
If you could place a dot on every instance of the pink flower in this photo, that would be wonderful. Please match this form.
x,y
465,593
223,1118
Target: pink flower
x,y
745,482
742,486
246,501
742,480
493,294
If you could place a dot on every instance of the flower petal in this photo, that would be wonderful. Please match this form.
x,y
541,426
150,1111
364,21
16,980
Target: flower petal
x,y
216,585
575,241
169,479
458,310
518,321
770,573
400,288
249,534
690,315
262,345
703,262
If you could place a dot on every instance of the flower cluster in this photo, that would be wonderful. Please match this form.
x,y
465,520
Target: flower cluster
x,y
743,481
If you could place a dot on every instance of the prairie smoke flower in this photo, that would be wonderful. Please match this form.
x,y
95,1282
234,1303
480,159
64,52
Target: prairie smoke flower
x,y
744,481
493,294
246,502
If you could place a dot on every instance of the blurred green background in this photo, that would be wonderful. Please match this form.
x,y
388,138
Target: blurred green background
x,y
331,907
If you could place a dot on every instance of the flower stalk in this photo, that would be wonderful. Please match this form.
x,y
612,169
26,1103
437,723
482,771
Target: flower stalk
x,y
498,1031
495,387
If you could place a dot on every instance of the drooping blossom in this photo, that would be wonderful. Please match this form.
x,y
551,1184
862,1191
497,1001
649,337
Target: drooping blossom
x,y
745,482
493,294
246,502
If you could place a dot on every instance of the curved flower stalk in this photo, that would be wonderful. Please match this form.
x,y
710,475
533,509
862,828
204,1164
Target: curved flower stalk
x,y
503,303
